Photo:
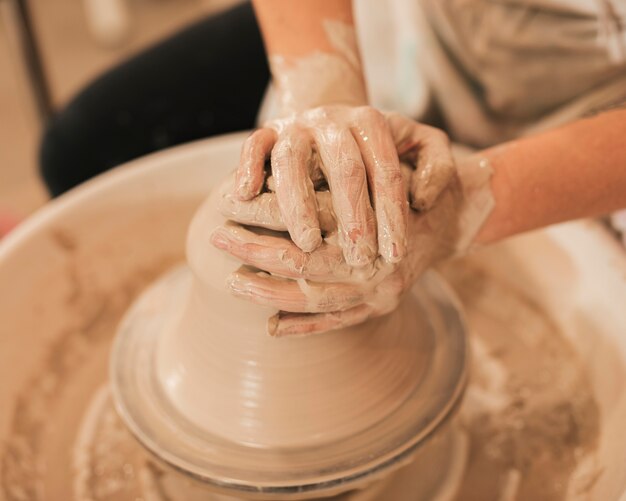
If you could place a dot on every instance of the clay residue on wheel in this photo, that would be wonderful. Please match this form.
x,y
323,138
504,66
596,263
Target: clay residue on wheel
x,y
47,410
529,411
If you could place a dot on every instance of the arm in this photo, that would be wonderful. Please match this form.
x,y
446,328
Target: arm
x,y
313,52
578,170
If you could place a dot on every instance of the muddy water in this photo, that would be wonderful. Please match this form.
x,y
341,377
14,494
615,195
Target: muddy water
x,y
529,411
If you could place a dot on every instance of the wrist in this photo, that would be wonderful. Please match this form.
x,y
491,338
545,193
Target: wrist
x,y
321,77
475,200
451,226
299,87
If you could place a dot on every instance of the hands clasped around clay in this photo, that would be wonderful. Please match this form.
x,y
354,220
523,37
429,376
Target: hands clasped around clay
x,y
339,280
320,291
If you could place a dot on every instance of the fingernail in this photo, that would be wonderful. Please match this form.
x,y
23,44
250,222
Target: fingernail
x,y
243,190
283,329
398,251
360,254
219,240
309,239
358,251
231,283
272,325
237,286
243,183
281,325
393,252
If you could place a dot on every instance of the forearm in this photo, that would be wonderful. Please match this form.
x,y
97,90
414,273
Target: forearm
x,y
312,51
578,170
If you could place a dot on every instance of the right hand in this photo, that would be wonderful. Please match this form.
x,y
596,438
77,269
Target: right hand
x,y
356,151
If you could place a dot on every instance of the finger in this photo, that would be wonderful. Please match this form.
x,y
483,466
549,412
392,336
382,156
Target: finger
x,y
317,178
385,182
344,170
294,296
263,211
290,324
251,172
435,165
435,170
280,256
294,189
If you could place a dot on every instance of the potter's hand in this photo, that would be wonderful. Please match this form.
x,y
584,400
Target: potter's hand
x,y
356,149
321,291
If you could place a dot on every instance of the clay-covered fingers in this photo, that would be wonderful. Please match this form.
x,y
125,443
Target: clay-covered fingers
x,y
278,255
294,295
251,172
347,179
434,172
374,301
435,166
293,324
295,193
386,185
315,172
263,211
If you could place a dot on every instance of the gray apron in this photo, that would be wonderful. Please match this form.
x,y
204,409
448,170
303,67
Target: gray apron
x,y
501,69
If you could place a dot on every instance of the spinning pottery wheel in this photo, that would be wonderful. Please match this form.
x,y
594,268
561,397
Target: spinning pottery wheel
x,y
202,386
551,341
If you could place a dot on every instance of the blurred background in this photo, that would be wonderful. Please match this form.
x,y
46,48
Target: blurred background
x,y
72,42
51,49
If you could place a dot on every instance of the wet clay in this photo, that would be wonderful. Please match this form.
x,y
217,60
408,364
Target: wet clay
x,y
321,78
529,411
220,372
267,392
320,291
